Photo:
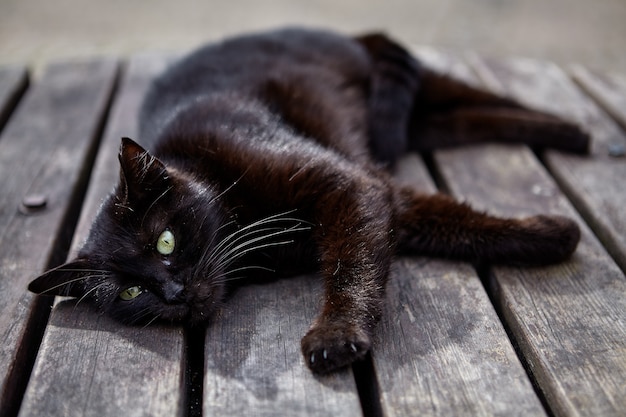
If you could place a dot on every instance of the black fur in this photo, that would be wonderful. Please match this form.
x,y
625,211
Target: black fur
x,y
267,155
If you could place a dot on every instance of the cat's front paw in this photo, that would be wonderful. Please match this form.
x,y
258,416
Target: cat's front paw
x,y
331,347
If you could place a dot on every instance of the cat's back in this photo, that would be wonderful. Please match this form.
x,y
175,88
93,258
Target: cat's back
x,y
243,65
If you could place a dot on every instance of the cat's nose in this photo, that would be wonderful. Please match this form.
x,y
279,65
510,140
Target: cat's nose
x,y
173,292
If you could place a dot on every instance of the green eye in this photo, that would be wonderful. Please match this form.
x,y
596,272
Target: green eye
x,y
166,243
130,293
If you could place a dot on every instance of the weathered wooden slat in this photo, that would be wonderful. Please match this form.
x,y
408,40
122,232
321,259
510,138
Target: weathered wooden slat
x,y
89,365
607,89
443,352
13,82
569,319
590,324
442,349
45,150
594,184
253,364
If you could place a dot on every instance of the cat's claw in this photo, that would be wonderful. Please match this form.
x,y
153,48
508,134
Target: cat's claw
x,y
324,355
328,351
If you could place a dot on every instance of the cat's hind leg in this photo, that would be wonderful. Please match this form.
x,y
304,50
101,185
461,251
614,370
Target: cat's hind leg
x,y
449,113
411,107
437,225
393,85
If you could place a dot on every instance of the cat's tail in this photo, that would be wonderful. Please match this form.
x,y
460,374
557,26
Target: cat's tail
x,y
437,225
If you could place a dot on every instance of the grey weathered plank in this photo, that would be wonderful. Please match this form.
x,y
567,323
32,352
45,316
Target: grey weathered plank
x,y
591,322
13,82
253,362
44,149
569,319
441,349
594,184
89,365
607,89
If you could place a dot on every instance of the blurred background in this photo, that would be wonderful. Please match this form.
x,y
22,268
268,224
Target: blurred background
x,y
589,32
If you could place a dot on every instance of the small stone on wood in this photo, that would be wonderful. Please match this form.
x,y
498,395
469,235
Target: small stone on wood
x,y
33,203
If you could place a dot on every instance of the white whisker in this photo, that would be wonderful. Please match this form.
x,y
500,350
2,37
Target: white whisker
x,y
153,203
230,253
139,315
95,288
101,274
151,321
252,237
252,229
217,197
247,268
226,262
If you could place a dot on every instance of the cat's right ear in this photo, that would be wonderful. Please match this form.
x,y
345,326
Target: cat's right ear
x,y
141,173
63,280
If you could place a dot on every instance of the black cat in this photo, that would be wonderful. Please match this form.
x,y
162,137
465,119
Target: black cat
x,y
268,155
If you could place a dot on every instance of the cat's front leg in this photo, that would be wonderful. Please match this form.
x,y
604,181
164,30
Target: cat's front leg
x,y
351,210
356,247
342,333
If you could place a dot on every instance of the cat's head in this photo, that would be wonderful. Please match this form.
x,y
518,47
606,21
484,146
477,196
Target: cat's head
x,y
155,249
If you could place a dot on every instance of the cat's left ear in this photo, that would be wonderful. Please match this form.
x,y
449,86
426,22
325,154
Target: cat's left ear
x,y
63,280
141,173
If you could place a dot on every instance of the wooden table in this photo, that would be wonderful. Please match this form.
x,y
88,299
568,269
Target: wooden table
x,y
454,341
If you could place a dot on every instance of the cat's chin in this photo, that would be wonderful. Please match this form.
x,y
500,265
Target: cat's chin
x,y
204,303
179,313
182,316
173,313
193,313
195,310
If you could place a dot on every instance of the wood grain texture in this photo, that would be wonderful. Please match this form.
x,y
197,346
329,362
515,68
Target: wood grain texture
x,y
441,349
609,90
569,319
595,183
44,149
253,364
13,83
89,365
